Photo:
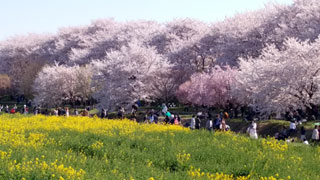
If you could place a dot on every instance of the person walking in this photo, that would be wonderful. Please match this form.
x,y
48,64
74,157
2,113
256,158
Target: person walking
x,y
217,122
164,109
134,109
85,113
167,119
6,109
179,118
223,124
56,112
155,116
209,125
198,123
303,133
76,112
252,130
225,115
25,109
121,113
193,122
292,128
145,118
12,111
39,109
36,110
176,121
151,118
67,112
172,119
315,134
103,113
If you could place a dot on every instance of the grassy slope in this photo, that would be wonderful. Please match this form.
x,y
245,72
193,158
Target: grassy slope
x,y
141,154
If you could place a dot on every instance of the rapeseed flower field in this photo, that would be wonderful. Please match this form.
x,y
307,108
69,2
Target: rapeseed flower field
x,y
50,147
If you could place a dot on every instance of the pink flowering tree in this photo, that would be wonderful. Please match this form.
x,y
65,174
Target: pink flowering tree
x,y
209,89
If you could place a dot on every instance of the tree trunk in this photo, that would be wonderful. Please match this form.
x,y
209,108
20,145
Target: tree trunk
x,y
310,113
235,110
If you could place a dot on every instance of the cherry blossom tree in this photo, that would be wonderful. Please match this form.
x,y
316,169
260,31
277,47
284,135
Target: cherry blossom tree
x,y
190,46
209,89
129,75
57,84
283,80
21,58
165,86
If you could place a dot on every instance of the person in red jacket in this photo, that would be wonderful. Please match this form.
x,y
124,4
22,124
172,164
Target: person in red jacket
x,y
12,111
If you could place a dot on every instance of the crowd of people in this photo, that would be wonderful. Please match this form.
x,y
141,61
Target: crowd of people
x,y
13,109
288,134
296,121
38,110
199,120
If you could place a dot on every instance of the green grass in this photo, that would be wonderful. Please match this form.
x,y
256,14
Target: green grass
x,y
143,154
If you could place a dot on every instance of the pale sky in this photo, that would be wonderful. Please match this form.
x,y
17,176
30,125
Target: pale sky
x,y
20,17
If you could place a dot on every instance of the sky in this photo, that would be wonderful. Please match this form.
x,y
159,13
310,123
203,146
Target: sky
x,y
20,17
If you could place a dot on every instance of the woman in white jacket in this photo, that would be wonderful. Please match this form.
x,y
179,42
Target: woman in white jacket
x,y
252,130
193,122
315,134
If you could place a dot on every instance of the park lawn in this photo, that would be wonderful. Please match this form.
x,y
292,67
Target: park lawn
x,y
43,147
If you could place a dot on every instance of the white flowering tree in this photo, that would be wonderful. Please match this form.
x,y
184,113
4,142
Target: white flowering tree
x,y
57,84
128,75
283,80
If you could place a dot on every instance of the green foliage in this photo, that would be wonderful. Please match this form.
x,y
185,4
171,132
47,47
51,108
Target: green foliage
x,y
161,155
